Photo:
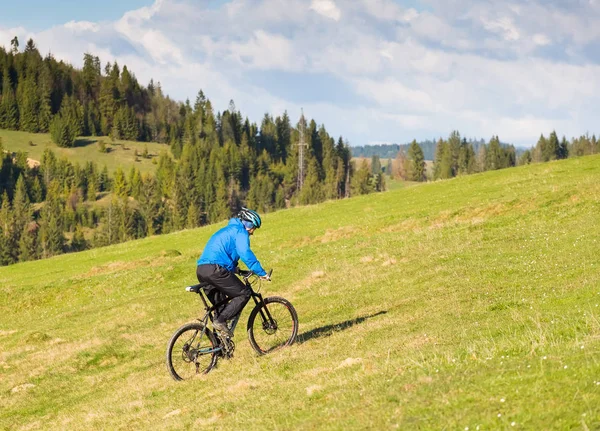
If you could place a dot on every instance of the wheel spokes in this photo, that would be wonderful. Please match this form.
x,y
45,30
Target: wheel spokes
x,y
196,354
274,332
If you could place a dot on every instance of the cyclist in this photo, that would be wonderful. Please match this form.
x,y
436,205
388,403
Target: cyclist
x,y
219,262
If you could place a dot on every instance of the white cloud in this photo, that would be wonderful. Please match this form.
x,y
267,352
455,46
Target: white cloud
x,y
137,27
266,51
503,26
326,8
388,10
541,39
382,73
391,92
82,26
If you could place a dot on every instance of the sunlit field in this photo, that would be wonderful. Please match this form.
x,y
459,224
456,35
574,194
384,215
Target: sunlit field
x,y
472,303
119,153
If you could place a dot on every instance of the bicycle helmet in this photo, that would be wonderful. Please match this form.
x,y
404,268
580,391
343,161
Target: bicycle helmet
x,y
251,217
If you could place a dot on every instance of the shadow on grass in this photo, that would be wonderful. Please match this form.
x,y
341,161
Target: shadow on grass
x,y
84,142
327,330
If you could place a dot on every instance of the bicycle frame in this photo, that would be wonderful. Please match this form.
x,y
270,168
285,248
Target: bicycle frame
x,y
258,301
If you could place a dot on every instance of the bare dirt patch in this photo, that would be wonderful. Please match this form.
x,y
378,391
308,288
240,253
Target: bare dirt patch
x,y
408,225
348,362
318,274
110,268
4,333
22,387
337,234
208,421
173,413
313,389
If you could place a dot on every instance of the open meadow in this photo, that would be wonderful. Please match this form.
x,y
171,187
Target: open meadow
x,y
120,153
471,303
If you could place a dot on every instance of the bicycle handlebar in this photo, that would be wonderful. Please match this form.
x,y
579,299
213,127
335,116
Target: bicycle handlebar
x,y
246,274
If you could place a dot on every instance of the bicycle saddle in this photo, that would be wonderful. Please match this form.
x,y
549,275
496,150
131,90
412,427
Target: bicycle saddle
x,y
196,287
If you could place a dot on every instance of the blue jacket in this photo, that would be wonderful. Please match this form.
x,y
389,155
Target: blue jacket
x,y
228,245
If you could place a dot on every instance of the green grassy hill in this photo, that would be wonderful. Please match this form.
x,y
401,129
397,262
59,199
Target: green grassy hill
x,y
121,153
469,303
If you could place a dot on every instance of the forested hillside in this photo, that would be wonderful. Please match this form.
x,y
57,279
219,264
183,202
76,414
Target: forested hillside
x,y
221,160
217,161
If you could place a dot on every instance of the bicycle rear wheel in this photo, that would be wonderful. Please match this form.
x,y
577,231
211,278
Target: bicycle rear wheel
x,y
272,324
190,351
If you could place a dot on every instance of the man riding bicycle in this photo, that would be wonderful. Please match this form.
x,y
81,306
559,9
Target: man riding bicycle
x,y
219,262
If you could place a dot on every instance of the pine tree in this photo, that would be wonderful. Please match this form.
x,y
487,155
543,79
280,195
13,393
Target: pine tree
x,y
9,113
220,210
312,191
45,99
453,146
8,234
437,161
540,150
136,184
551,150
481,159
330,185
28,243
464,157
443,161
62,132
21,207
192,219
29,106
415,154
284,136
115,221
78,242
14,43
361,183
150,205
563,149
52,236
494,155
104,182
119,183
36,192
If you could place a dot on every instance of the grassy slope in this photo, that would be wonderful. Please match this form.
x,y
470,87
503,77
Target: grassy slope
x,y
471,303
121,152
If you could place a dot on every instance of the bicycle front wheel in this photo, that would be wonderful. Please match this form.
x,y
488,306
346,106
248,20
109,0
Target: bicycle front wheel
x,y
272,324
190,351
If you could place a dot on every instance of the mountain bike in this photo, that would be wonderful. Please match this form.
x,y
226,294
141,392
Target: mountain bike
x,y
195,349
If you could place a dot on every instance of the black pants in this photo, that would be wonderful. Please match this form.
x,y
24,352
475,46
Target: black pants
x,y
224,284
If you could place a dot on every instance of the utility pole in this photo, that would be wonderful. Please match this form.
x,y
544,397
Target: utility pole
x,y
301,144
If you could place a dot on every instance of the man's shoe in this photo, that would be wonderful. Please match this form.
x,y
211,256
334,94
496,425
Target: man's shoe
x,y
222,328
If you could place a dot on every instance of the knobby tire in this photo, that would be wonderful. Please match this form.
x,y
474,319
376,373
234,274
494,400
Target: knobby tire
x,y
181,363
264,337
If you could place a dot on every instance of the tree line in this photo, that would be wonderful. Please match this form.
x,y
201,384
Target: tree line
x,y
221,160
455,156
60,206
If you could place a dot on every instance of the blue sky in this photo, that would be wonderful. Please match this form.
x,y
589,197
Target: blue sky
x,y
372,71
36,15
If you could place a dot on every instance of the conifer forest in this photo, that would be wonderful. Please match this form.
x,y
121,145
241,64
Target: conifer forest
x,y
216,161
